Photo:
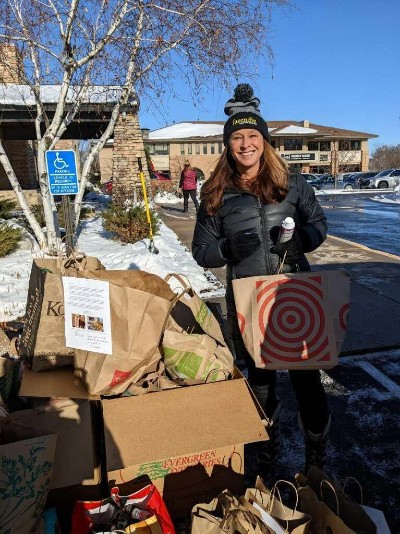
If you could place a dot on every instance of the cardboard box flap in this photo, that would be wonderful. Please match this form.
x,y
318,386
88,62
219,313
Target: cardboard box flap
x,y
74,460
180,421
55,383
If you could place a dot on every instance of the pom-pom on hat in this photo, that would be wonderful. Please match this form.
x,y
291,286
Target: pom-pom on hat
x,y
243,111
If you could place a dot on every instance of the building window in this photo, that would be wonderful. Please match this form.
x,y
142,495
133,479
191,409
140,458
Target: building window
x,y
313,145
182,149
197,149
219,148
348,144
205,148
190,151
273,143
325,146
212,148
292,144
158,149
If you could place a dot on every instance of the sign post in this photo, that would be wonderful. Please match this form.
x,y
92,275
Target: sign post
x,y
63,180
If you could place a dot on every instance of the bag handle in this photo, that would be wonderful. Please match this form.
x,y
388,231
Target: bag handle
x,y
271,502
217,372
334,492
352,479
292,486
180,279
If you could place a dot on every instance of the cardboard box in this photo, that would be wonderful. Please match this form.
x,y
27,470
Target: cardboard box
x,y
71,420
188,440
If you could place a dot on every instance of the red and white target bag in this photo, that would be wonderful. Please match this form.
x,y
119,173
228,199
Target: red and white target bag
x,y
293,321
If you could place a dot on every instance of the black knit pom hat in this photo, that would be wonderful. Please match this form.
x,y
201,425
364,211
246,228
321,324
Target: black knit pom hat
x,y
243,111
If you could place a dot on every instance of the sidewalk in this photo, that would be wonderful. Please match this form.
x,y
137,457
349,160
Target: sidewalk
x,y
374,318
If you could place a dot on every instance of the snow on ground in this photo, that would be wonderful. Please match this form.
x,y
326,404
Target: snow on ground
x,y
93,240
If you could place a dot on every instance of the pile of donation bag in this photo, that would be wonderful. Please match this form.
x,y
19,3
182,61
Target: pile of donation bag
x,y
96,448
97,407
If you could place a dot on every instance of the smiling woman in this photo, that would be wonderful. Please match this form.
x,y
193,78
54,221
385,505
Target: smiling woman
x,y
243,204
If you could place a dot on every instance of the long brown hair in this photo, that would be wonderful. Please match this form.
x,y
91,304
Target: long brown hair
x,y
271,184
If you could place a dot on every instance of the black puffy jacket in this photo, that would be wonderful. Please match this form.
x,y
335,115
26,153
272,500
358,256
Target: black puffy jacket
x,y
242,210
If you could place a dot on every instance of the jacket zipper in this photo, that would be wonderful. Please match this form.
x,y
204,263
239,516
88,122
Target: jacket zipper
x,y
268,262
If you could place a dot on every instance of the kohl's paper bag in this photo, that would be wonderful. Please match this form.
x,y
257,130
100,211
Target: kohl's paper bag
x,y
293,321
42,341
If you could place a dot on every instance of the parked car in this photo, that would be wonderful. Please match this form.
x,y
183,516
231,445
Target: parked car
x,y
322,181
309,177
364,175
327,179
382,180
342,176
351,181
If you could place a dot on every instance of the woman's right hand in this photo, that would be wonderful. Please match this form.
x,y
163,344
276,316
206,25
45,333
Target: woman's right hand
x,y
240,245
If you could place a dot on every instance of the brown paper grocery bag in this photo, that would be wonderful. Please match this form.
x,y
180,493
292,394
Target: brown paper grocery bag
x,y
331,492
26,459
191,314
196,357
324,519
42,341
293,321
290,520
138,317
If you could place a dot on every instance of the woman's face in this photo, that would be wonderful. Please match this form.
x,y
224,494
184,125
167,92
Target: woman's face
x,y
247,147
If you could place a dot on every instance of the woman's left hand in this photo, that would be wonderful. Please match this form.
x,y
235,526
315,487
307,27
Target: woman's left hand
x,y
291,250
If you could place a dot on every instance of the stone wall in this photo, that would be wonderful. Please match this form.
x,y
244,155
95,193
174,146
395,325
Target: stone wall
x,y
128,147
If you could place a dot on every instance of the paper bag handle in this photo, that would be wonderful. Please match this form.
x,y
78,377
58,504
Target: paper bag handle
x,y
295,489
352,479
334,492
180,279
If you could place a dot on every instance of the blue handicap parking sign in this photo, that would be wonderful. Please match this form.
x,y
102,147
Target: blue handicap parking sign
x,y
62,172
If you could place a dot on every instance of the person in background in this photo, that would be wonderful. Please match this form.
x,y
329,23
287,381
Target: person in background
x,y
188,186
243,204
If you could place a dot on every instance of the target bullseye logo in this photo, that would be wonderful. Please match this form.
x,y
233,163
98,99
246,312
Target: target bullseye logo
x,y
292,321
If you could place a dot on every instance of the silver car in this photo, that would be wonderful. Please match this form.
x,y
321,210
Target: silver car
x,y
383,180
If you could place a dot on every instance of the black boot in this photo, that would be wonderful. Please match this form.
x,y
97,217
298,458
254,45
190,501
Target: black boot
x,y
315,445
270,450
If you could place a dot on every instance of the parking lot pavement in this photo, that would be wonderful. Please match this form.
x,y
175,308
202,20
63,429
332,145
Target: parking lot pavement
x,y
364,389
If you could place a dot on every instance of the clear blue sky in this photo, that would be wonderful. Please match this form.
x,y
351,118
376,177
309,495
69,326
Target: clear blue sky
x,y
337,63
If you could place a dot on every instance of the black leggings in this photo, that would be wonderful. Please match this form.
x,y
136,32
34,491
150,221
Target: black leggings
x,y
306,384
192,193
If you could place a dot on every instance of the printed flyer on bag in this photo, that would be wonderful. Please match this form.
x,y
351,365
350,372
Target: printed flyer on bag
x,y
87,314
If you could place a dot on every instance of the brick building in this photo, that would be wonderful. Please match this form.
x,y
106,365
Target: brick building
x,y
307,147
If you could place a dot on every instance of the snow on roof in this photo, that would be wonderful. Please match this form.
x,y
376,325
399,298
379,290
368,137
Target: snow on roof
x,y
22,95
183,130
297,130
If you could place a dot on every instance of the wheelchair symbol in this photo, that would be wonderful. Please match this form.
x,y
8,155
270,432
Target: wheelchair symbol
x,y
59,163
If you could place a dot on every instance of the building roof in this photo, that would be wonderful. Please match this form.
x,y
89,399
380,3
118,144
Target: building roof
x,y
202,129
21,95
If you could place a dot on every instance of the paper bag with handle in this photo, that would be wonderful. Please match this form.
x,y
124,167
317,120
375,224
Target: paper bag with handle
x,y
293,321
196,357
190,313
331,492
42,342
139,306
274,512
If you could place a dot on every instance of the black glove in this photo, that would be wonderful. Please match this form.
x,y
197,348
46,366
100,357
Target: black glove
x,y
293,249
240,245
